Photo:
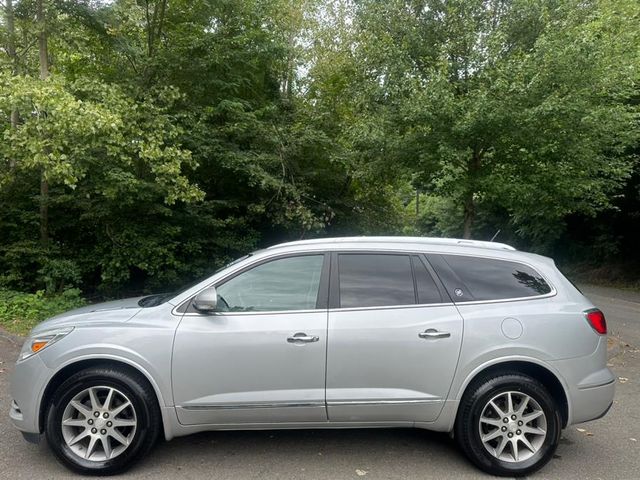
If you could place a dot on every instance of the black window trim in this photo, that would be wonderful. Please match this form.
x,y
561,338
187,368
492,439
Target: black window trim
x,y
438,262
415,280
329,289
334,281
444,295
185,308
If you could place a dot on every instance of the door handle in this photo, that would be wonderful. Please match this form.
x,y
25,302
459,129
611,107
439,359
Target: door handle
x,y
433,333
301,337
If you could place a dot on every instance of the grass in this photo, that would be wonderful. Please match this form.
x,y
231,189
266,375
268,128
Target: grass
x,y
20,312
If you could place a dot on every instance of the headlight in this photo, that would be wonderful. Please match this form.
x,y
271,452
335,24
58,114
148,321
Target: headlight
x,y
40,341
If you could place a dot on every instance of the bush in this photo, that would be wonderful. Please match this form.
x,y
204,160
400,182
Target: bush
x,y
20,312
59,275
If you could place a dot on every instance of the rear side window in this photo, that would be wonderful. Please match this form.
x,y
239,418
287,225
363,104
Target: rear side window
x,y
490,279
372,280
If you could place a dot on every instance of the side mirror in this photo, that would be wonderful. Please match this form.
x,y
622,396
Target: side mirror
x,y
206,301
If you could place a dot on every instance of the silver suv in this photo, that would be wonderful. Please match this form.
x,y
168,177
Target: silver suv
x,y
473,338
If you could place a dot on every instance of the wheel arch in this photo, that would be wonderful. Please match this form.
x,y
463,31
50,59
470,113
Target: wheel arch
x,y
533,369
67,370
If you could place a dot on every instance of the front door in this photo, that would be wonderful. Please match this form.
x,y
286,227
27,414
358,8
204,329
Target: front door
x,y
394,339
261,358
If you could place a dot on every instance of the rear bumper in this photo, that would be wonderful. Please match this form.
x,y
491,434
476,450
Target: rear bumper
x,y
589,384
592,403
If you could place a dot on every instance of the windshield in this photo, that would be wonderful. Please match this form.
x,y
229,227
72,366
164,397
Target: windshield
x,y
159,298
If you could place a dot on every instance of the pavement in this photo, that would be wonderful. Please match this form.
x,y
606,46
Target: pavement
x,y
608,448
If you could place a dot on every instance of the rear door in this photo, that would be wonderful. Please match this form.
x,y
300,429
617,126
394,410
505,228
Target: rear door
x,y
393,341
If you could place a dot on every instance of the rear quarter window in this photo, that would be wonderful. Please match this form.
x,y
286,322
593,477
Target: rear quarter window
x,y
491,279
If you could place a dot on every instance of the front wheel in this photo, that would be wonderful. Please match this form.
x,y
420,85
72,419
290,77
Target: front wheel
x,y
508,425
101,420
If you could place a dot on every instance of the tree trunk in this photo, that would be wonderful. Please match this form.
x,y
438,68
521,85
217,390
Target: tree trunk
x,y
469,214
11,50
473,169
155,24
44,211
11,31
42,41
15,118
44,74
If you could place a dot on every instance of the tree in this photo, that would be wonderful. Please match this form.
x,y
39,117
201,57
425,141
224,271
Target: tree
x,y
11,51
171,137
43,55
519,104
229,126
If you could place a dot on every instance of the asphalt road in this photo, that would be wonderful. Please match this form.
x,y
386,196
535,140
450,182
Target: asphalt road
x,y
608,448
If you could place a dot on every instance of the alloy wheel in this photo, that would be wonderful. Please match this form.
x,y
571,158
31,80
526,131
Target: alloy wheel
x,y
513,426
99,423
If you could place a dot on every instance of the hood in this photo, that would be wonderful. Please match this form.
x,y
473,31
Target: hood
x,y
100,307
106,312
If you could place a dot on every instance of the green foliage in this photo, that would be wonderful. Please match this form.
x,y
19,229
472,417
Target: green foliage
x,y
57,274
20,312
91,128
523,108
172,137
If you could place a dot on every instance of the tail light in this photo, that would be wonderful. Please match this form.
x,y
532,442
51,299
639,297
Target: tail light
x,y
597,321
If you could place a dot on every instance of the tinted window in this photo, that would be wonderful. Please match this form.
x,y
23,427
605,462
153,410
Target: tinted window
x,y
286,284
369,280
488,279
425,286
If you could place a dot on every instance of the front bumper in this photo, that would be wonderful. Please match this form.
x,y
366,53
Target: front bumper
x,y
28,381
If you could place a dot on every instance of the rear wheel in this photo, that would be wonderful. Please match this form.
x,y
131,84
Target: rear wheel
x,y
508,425
101,420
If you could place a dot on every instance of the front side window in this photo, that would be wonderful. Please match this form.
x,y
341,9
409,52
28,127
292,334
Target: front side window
x,y
289,283
491,279
375,280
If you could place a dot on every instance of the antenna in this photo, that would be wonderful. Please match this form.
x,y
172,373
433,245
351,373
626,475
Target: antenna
x,y
494,237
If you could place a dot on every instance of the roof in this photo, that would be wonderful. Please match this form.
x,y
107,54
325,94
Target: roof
x,y
399,240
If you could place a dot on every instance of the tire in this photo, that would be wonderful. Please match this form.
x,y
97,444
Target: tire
x,y
478,419
90,412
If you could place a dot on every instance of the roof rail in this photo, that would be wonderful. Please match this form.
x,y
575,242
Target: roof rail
x,y
421,240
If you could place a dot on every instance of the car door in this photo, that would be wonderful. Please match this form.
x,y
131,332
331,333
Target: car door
x,y
262,357
394,339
